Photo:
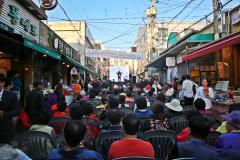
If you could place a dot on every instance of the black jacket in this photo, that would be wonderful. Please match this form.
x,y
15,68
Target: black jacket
x,y
34,102
9,105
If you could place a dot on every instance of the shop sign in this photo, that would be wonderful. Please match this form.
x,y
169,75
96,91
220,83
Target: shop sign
x,y
179,59
170,61
24,23
235,17
6,28
48,4
51,40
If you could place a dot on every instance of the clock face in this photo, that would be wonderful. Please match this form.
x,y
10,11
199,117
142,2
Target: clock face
x,y
55,43
48,4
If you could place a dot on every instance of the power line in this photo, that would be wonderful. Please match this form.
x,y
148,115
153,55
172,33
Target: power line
x,y
71,22
180,12
123,34
189,13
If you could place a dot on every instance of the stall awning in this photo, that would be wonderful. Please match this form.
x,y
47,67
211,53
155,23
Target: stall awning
x,y
79,65
41,49
214,46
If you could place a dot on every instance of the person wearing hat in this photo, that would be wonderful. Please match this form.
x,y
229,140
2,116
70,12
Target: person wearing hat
x,y
231,139
173,109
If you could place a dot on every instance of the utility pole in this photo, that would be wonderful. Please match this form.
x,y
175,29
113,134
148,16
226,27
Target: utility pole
x,y
215,18
151,29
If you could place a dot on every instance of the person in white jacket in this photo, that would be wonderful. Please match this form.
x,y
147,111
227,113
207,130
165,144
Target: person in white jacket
x,y
156,86
206,93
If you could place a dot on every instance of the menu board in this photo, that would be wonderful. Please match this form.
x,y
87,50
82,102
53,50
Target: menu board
x,y
222,86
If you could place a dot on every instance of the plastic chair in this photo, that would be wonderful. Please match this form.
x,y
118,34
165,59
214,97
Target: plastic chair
x,y
58,123
212,137
163,142
59,141
36,144
134,158
178,123
105,140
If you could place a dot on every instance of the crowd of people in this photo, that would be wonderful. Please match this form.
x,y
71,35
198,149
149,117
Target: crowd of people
x,y
118,107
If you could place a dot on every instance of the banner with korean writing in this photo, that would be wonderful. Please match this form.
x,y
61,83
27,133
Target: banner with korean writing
x,y
114,54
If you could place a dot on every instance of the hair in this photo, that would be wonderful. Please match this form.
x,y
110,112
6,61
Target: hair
x,y
103,115
161,97
92,95
141,103
59,89
115,91
200,104
74,132
199,127
104,100
2,77
113,102
122,99
129,94
8,82
61,98
76,111
131,124
234,107
41,118
114,117
62,106
88,109
78,97
187,76
157,107
170,85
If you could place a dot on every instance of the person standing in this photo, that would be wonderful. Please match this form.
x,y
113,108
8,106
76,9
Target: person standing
x,y
9,105
206,93
35,100
119,74
187,88
17,85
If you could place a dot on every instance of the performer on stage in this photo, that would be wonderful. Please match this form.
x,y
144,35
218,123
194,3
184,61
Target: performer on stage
x,y
119,74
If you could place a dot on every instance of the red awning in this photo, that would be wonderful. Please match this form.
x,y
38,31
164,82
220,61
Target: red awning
x,y
214,46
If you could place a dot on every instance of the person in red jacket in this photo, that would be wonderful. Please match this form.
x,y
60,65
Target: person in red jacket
x,y
130,146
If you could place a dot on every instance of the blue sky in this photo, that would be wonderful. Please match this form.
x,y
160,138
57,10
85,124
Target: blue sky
x,y
100,16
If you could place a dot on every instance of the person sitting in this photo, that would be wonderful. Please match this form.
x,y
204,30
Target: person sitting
x,y
114,118
8,152
40,123
231,139
151,97
201,105
129,97
161,97
61,110
74,133
142,109
94,98
103,103
122,99
173,109
159,121
231,108
76,112
196,148
130,146
113,103
170,91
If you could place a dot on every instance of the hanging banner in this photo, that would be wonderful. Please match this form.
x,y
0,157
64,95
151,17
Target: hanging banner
x,y
114,54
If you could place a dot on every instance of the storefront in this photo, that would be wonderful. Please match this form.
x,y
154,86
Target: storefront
x,y
18,20
217,61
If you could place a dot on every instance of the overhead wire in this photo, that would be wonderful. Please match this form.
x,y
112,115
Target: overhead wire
x,y
180,12
189,13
